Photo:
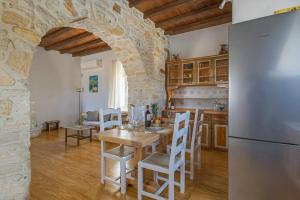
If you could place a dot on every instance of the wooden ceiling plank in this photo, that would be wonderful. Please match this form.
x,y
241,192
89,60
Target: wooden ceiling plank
x,y
164,8
83,46
50,36
133,3
202,11
91,51
213,21
61,44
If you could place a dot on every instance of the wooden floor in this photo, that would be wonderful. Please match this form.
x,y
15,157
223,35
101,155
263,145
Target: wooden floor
x,y
69,172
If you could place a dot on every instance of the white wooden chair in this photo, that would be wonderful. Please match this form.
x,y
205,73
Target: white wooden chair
x,y
194,143
120,153
167,164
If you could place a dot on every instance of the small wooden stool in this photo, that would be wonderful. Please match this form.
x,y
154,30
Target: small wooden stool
x,y
50,124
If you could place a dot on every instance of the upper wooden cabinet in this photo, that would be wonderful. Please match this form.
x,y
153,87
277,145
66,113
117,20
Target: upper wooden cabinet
x,y
204,72
209,70
221,66
188,73
174,73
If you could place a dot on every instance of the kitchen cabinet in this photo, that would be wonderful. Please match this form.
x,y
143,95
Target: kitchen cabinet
x,y
188,73
221,67
215,134
204,71
204,136
220,136
214,128
174,73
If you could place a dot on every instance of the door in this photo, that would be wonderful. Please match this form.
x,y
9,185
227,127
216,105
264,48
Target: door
x,y
263,170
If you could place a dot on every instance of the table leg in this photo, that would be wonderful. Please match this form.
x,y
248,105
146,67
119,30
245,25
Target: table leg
x,y
66,136
91,132
78,135
138,155
48,126
57,126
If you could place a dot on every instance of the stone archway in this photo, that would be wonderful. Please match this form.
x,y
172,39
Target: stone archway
x,y
136,41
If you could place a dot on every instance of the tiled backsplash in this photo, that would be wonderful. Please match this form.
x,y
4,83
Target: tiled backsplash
x,y
200,97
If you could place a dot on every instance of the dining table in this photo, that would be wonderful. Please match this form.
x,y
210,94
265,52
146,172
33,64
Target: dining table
x,y
139,138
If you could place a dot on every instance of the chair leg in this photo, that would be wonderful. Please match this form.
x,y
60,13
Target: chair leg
x,y
199,152
123,176
182,178
103,162
155,174
171,185
153,148
140,181
168,149
192,165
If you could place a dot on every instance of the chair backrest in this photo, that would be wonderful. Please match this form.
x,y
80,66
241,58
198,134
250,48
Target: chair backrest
x,y
115,118
179,137
197,128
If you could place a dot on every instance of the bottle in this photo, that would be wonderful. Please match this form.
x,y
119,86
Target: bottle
x,y
148,117
172,106
169,104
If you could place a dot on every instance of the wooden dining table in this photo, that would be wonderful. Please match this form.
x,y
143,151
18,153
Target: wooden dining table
x,y
138,138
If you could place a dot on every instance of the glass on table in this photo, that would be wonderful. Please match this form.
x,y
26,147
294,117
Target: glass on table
x,y
137,116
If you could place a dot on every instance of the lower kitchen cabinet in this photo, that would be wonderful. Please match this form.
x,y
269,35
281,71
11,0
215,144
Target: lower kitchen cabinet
x,y
204,136
220,136
215,131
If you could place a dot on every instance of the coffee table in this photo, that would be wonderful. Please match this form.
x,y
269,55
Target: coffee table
x,y
79,129
50,124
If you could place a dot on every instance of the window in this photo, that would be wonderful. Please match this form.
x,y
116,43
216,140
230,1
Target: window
x,y
118,97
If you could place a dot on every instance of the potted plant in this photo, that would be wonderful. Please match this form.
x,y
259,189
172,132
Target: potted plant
x,y
155,109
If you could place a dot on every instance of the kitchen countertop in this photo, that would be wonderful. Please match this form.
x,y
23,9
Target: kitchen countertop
x,y
206,111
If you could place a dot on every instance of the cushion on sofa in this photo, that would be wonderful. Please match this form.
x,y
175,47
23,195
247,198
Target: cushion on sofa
x,y
92,116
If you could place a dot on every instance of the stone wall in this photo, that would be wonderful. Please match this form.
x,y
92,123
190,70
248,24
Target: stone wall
x,y
136,41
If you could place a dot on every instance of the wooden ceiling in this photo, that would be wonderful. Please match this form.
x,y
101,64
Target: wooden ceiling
x,y
77,42
179,16
173,16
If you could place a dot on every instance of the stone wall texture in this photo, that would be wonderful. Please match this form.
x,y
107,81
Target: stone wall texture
x,y
139,45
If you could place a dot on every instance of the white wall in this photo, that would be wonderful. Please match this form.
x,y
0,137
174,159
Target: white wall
x,y
199,43
95,101
53,81
244,10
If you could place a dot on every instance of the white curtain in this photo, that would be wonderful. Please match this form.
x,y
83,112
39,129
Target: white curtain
x,y
118,91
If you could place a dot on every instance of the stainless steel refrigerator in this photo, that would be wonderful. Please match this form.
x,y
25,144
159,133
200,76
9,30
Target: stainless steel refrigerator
x,y
264,109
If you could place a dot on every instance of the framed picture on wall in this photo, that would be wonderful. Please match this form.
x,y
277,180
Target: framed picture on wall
x,y
93,84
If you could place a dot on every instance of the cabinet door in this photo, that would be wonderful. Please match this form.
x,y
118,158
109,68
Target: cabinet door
x,y
188,73
174,73
204,72
221,69
204,136
220,136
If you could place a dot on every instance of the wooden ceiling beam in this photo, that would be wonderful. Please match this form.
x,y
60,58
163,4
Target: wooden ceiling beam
x,y
133,3
212,21
91,51
83,46
61,44
199,12
50,36
165,7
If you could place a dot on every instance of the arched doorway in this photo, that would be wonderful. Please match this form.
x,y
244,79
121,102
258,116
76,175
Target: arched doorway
x,y
137,43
